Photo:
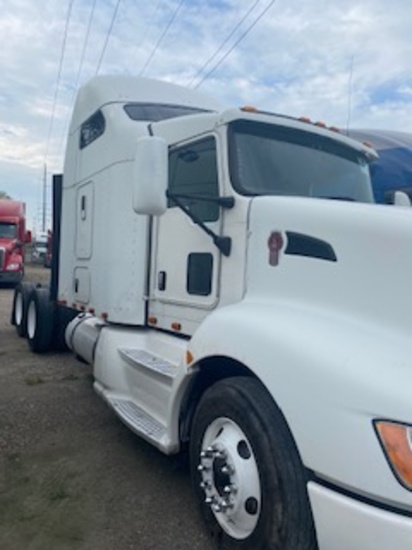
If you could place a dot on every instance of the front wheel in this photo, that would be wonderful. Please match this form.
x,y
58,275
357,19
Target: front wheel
x,y
247,472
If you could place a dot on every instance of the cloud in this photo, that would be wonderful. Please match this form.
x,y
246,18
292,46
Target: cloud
x,y
335,61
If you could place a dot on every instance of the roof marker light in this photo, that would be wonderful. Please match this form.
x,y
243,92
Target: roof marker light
x,y
320,124
305,119
249,108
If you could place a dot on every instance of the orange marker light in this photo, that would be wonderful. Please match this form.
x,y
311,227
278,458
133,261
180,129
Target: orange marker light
x,y
396,442
305,119
249,108
176,326
189,357
152,320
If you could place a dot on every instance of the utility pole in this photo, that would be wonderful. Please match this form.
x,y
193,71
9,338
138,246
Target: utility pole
x,y
43,225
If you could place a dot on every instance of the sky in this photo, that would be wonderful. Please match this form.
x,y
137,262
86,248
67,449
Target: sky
x,y
344,62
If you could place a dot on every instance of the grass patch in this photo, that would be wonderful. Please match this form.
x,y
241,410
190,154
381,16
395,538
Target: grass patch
x,y
33,380
70,377
42,503
59,493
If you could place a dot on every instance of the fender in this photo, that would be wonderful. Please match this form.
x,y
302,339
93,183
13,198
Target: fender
x,y
330,376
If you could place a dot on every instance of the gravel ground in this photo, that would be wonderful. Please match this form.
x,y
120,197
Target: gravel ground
x,y
72,476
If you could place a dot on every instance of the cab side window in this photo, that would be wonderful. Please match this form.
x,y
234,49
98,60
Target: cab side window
x,y
193,173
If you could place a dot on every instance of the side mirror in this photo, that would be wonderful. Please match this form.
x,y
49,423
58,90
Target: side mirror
x,y
401,198
27,238
150,175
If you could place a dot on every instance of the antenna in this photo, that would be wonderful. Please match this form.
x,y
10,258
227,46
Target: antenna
x,y
43,225
349,94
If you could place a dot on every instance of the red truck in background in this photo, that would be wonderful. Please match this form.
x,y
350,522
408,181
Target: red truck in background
x,y
13,237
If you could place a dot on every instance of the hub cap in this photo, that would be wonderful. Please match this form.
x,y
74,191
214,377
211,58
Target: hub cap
x,y
230,478
31,320
18,311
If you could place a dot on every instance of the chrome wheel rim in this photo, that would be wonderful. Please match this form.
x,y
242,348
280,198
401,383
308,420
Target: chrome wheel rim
x,y
18,311
31,320
230,478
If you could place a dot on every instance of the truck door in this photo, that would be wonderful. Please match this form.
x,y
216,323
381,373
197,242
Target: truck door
x,y
185,262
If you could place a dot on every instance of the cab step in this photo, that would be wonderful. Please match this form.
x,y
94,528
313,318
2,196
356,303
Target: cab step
x,y
141,358
139,421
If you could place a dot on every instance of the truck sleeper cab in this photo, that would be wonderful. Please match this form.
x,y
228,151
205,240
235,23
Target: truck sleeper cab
x,y
251,315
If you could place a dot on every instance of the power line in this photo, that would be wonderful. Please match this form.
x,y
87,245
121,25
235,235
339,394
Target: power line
x,y
230,50
109,32
59,73
149,59
79,71
150,23
85,43
223,44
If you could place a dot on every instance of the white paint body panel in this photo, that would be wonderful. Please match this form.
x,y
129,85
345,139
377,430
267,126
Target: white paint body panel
x,y
328,341
343,523
112,241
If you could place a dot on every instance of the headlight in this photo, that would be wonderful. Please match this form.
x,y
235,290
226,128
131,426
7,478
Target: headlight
x,y
13,267
396,441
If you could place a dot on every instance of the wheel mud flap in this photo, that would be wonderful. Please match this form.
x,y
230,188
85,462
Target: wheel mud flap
x,y
63,316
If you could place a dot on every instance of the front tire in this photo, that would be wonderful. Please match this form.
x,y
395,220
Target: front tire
x,y
247,472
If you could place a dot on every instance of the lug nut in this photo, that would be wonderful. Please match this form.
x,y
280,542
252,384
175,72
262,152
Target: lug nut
x,y
219,454
226,505
207,453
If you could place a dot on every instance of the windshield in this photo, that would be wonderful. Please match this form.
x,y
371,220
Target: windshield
x,y
8,231
272,160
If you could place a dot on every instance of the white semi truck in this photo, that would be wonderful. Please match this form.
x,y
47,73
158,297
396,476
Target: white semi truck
x,y
239,295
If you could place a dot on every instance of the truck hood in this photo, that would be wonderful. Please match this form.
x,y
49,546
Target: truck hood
x,y
9,244
335,257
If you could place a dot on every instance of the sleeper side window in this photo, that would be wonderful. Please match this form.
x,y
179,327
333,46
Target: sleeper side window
x,y
91,129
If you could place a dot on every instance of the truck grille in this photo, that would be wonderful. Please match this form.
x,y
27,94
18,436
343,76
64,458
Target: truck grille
x,y
2,254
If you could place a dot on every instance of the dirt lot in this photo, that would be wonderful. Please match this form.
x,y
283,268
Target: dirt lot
x,y
71,475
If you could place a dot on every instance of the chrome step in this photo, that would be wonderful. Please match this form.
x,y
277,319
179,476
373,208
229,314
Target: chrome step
x,y
139,420
142,358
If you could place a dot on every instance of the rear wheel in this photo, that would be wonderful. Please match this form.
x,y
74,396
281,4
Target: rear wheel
x,y
247,472
40,320
19,309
